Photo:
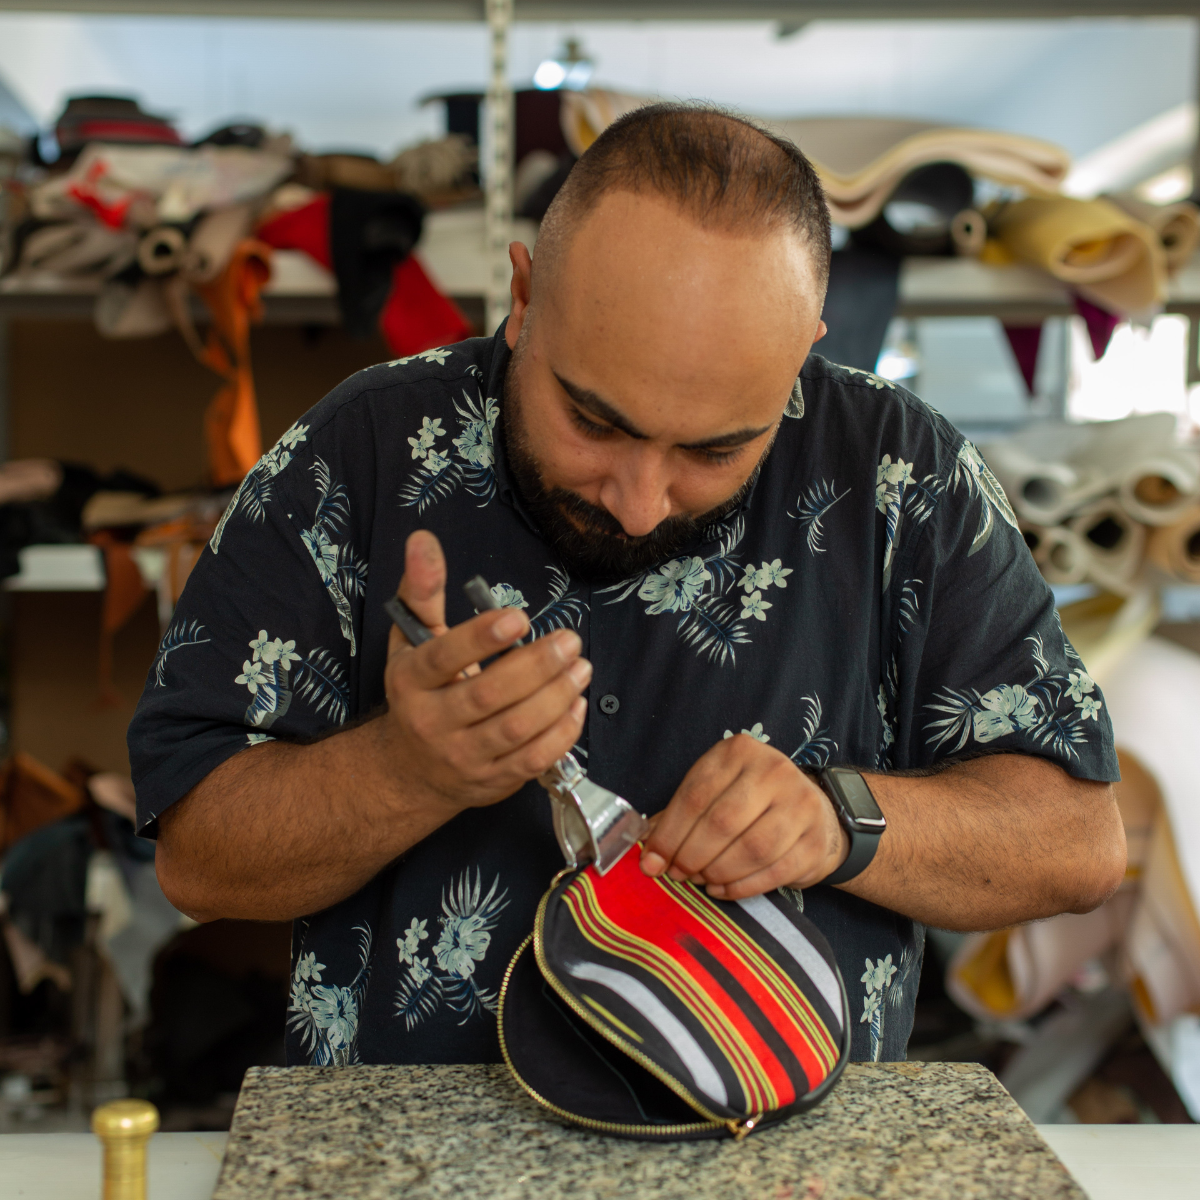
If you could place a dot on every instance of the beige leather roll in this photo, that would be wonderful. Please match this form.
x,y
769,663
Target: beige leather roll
x,y
1161,488
1176,548
1113,542
1177,225
1059,553
1101,251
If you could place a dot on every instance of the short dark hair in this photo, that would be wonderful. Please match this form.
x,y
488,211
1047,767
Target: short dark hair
x,y
723,170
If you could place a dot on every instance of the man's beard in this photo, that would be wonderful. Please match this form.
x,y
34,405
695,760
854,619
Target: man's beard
x,y
588,539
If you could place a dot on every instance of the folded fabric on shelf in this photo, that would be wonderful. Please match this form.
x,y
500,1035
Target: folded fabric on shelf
x,y
32,795
1109,257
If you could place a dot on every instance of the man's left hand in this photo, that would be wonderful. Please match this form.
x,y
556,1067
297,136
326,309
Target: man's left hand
x,y
746,820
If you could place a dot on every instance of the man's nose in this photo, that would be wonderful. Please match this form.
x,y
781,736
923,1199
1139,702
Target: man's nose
x,y
638,494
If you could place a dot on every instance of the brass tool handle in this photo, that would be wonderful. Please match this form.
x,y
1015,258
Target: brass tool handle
x,y
124,1127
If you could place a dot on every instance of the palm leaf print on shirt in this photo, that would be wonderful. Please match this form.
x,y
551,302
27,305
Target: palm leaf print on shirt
x,y
325,1015
254,492
182,633
341,571
970,469
474,464
276,672
812,506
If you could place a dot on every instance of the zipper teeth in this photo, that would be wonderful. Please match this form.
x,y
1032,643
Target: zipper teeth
x,y
587,1122
621,1044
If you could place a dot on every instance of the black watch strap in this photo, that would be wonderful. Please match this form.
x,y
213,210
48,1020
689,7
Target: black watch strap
x,y
863,843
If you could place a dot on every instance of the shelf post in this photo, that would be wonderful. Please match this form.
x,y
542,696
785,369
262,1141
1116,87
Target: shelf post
x,y
498,183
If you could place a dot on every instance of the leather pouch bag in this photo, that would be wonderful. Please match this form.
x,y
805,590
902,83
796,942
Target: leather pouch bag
x,y
643,1008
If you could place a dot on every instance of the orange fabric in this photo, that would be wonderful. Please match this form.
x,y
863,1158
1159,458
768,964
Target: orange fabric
x,y
183,539
231,427
32,795
124,592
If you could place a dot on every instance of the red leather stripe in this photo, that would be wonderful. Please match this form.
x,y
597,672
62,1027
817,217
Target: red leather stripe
x,y
654,914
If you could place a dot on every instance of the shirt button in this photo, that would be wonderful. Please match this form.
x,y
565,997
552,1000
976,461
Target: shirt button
x,y
609,704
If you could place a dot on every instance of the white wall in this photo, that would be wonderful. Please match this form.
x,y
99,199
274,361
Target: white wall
x,y
357,83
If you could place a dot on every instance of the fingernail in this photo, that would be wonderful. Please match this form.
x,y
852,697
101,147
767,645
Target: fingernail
x,y
567,644
716,891
653,864
580,672
508,627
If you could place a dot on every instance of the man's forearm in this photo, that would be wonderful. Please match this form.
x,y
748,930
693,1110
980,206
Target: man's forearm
x,y
992,842
281,830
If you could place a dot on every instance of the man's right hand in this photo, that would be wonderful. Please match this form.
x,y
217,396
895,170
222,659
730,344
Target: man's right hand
x,y
469,737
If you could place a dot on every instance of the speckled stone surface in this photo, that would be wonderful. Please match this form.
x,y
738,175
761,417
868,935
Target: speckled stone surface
x,y
912,1131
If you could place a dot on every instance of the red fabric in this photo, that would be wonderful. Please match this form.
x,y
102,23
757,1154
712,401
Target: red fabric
x,y
416,316
117,129
1100,324
1025,341
649,911
305,228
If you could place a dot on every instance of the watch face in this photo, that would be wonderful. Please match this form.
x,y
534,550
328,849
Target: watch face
x,y
856,796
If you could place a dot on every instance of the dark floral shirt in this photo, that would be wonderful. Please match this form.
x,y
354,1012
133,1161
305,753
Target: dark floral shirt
x,y
872,604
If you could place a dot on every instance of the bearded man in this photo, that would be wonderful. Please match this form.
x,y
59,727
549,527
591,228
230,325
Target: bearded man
x,y
733,565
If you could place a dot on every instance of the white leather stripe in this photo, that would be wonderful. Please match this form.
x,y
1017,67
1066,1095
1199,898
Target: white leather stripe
x,y
800,948
635,993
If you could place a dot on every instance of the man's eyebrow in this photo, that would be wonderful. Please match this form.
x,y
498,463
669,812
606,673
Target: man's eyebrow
x,y
606,412
600,408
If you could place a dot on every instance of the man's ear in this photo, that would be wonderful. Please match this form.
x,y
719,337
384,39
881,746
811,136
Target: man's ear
x,y
521,287
822,330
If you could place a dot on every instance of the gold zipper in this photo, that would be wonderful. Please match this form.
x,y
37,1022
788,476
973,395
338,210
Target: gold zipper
x,y
738,1128
586,1122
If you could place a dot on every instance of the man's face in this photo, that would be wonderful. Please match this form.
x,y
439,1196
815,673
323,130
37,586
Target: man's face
x,y
649,377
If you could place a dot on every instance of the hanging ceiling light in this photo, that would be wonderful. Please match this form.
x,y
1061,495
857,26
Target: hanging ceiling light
x,y
570,70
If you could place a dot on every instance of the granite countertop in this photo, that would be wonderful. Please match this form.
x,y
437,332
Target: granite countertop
x,y
942,1131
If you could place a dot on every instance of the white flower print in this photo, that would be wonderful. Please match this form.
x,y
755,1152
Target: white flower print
x,y
423,442
253,676
871,379
467,920
675,586
507,596
325,1015
318,677
307,967
438,356
1089,707
749,580
436,461
890,477
755,731
410,943
1005,708
257,739
475,442
773,573
439,475
1079,683
755,606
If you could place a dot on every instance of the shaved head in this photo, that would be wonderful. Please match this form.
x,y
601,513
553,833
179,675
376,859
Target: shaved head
x,y
723,172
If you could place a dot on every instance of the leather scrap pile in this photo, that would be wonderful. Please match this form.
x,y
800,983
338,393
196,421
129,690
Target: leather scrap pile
x,y
151,224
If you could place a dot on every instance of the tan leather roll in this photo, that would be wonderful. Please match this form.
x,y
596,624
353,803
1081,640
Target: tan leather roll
x,y
1176,548
1101,251
1177,225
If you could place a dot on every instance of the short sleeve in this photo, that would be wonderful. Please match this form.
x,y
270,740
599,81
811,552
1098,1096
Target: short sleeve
x,y
980,662
262,642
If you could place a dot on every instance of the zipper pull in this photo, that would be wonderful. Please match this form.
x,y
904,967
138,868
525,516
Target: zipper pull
x,y
740,1129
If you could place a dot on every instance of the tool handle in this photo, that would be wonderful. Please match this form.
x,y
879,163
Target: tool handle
x,y
407,621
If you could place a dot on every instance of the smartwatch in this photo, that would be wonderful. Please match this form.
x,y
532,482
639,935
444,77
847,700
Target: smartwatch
x,y
859,816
